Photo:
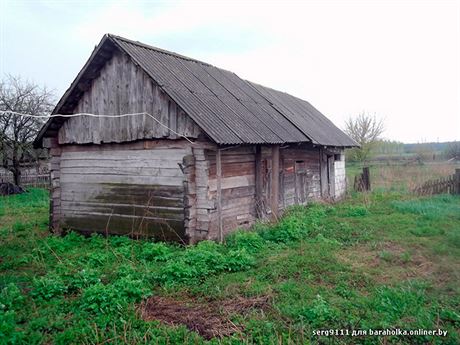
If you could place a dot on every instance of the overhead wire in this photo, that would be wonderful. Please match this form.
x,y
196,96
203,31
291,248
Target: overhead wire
x,y
6,112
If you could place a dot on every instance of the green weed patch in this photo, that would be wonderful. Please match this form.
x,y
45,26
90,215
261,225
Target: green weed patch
x,y
76,289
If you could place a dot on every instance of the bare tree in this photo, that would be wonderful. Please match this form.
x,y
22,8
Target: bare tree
x,y
17,132
366,130
452,150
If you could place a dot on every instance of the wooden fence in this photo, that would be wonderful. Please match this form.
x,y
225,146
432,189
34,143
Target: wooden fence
x,y
29,180
443,185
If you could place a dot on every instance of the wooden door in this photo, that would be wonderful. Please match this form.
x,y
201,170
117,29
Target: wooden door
x,y
301,182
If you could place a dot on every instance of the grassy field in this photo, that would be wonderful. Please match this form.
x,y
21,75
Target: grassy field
x,y
377,261
395,176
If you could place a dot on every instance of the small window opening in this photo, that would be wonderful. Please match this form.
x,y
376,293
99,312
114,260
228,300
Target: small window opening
x,y
337,157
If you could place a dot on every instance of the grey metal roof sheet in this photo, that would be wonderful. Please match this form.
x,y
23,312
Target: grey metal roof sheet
x,y
229,109
232,110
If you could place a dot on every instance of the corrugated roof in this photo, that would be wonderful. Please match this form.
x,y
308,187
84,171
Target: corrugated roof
x,y
229,109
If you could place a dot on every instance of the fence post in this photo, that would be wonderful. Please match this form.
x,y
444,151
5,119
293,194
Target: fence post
x,y
366,178
457,181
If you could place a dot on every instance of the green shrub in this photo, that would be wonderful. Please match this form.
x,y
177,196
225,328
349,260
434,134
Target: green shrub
x,y
356,211
155,251
100,298
176,271
72,241
98,258
120,241
324,240
47,287
10,333
82,279
298,222
287,230
11,298
248,240
319,313
132,289
238,260
204,259
97,241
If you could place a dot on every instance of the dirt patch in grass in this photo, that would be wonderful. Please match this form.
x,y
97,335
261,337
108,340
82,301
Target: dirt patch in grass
x,y
389,262
210,319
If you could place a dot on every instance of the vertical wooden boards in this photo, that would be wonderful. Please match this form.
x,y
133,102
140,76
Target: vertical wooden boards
x,y
237,189
324,174
219,193
55,175
203,203
124,88
188,167
301,174
259,182
274,197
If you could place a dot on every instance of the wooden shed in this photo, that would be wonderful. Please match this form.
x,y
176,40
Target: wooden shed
x,y
217,152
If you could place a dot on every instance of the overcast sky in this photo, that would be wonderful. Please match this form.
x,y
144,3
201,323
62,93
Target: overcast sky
x,y
399,60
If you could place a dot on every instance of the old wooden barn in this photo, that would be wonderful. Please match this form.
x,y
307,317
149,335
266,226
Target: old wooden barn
x,y
219,153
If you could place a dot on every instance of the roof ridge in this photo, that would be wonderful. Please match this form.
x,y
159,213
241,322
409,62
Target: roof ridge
x,y
159,50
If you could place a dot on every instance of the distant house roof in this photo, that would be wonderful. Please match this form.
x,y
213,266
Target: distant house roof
x,y
229,109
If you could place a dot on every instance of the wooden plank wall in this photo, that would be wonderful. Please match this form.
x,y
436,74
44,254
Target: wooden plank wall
x,y
55,194
238,184
133,188
238,207
124,88
169,189
301,175
204,203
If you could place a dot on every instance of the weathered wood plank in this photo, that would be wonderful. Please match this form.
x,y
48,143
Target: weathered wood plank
x,y
233,182
219,193
119,163
274,197
122,171
167,230
121,88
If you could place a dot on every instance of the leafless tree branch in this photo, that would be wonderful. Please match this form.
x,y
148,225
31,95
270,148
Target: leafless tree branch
x,y
17,132
365,129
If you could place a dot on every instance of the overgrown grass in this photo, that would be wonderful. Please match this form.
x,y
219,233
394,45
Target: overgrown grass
x,y
376,261
395,176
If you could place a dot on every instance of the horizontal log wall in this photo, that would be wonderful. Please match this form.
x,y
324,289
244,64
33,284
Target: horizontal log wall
x,y
133,189
168,189
124,88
